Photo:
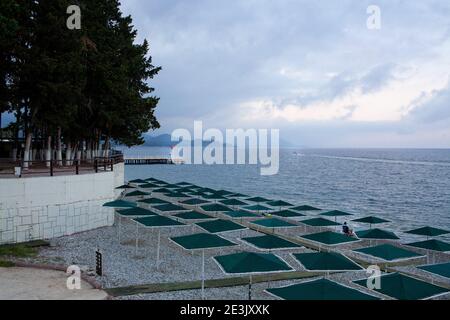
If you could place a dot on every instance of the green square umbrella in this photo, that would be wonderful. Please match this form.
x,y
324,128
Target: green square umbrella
x,y
442,269
377,234
219,226
137,194
319,222
233,202
153,201
148,186
152,180
176,195
326,261
431,246
162,190
215,208
270,242
428,232
335,214
329,238
434,245
258,199
170,207
279,204
403,287
155,222
183,184
120,204
223,192
371,220
125,186
388,252
305,208
136,212
251,263
202,241
273,223
194,202
196,193
213,197
320,289
138,181
193,215
171,186
287,214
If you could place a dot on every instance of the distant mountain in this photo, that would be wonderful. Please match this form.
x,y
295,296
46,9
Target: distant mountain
x,y
163,140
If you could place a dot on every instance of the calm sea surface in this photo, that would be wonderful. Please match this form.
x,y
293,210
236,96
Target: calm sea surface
x,y
409,187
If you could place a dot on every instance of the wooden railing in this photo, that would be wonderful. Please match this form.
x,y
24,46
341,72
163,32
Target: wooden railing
x,y
20,168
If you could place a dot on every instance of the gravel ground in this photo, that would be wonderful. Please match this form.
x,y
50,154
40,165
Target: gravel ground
x,y
123,268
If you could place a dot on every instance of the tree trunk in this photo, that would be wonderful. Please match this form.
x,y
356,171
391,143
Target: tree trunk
x,y
59,147
48,152
68,153
26,154
106,147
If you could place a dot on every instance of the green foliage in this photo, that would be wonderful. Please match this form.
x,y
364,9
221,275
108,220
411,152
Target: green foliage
x,y
90,83
18,251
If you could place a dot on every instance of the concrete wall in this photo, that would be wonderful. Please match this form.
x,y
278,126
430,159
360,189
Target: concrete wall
x,y
49,207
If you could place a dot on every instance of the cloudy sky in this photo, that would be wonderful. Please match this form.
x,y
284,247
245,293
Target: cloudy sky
x,y
310,68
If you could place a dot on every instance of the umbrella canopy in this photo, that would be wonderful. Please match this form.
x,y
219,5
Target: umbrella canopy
x,y
120,204
169,207
326,261
152,180
158,222
138,181
287,214
402,287
378,234
183,184
258,199
213,196
215,208
434,245
233,202
279,203
202,241
371,220
320,222
223,192
125,186
196,193
273,223
335,213
442,269
162,190
148,186
218,226
239,214
194,202
136,212
193,215
258,207
137,194
237,195
305,208
329,238
176,195
321,289
171,186
388,252
153,201
251,262
270,242
428,231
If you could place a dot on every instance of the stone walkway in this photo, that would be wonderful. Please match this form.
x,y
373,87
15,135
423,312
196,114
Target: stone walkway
x,y
37,284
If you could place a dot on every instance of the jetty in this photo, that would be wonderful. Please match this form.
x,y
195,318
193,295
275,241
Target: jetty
x,y
151,160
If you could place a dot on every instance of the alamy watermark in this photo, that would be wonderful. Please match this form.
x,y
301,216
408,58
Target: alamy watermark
x,y
237,146
74,279
73,22
374,19
374,279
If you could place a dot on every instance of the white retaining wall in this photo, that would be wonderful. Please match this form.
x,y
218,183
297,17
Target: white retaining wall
x,y
50,207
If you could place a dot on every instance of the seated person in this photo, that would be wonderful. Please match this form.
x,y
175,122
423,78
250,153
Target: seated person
x,y
346,230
